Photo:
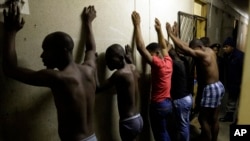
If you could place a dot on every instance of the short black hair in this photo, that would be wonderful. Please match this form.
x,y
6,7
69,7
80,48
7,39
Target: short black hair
x,y
153,47
229,41
195,43
205,41
59,40
115,49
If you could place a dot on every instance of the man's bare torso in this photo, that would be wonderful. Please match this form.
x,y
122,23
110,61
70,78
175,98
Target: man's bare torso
x,y
127,90
208,68
74,95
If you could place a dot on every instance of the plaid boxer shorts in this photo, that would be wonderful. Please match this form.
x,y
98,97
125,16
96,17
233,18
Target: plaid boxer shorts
x,y
212,95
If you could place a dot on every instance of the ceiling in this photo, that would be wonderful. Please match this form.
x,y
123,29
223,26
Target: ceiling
x,y
241,6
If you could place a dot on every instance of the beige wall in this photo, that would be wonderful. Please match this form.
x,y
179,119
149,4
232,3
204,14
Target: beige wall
x,y
27,112
244,114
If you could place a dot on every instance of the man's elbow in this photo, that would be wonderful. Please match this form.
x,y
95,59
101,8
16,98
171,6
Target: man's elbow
x,y
7,72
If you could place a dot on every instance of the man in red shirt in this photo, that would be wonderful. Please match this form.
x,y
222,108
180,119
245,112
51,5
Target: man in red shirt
x,y
161,71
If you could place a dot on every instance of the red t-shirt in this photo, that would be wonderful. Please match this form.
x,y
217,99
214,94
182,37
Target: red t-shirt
x,y
161,72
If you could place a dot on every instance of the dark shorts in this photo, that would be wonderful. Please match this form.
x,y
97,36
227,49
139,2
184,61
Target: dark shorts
x,y
212,95
131,127
90,138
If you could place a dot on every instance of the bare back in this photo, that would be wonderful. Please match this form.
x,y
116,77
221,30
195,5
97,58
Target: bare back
x,y
208,68
74,95
126,83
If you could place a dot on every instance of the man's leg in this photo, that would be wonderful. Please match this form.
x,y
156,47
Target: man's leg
x,y
183,108
215,123
204,120
158,119
198,99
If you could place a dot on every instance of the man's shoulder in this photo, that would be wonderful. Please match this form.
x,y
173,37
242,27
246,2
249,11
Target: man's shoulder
x,y
163,59
132,66
124,71
85,67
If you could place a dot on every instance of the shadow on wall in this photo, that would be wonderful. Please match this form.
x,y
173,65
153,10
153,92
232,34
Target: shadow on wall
x,y
145,85
26,113
31,123
106,112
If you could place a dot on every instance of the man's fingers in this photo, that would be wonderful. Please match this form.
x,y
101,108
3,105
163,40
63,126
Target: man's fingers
x,y
157,22
13,9
126,47
22,22
167,25
135,14
5,13
175,23
18,14
84,10
10,8
93,8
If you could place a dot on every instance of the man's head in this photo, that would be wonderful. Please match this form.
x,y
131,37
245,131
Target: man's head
x,y
196,44
229,45
154,49
205,41
173,54
215,47
57,50
115,56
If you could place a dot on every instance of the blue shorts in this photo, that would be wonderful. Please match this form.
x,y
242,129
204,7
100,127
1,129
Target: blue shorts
x,y
131,127
212,95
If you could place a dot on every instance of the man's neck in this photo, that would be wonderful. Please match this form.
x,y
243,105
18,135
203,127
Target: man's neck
x,y
66,64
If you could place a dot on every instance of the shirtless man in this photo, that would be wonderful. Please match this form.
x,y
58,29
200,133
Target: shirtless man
x,y
214,89
125,81
73,85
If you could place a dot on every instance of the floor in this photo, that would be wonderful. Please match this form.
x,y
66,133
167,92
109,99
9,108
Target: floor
x,y
223,132
224,126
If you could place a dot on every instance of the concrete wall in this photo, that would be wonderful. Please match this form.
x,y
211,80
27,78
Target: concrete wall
x,y
27,112
221,23
244,115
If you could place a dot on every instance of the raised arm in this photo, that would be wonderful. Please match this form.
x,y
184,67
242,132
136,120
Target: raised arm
x,y
175,31
129,56
165,46
181,44
13,22
106,85
138,37
88,16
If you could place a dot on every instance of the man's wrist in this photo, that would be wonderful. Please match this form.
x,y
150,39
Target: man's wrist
x,y
10,32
